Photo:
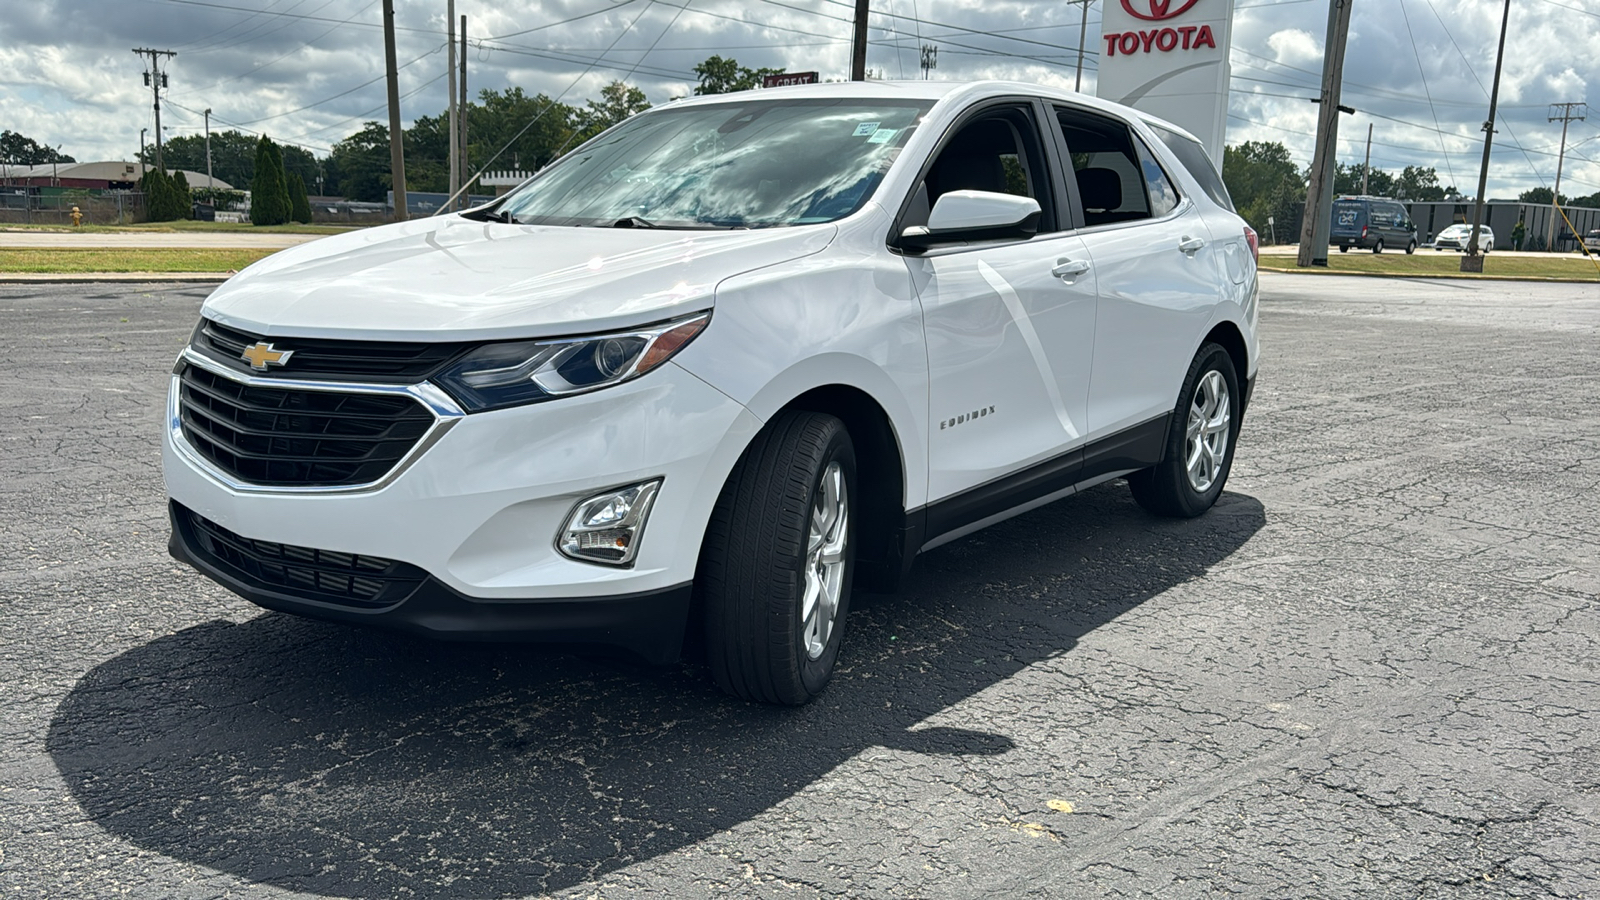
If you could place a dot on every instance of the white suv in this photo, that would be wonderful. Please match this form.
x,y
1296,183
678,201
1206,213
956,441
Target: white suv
x,y
716,367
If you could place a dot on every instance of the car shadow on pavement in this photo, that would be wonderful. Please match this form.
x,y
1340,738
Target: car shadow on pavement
x,y
358,763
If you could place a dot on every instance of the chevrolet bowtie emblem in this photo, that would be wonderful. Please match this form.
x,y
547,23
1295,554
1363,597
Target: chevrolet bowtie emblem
x,y
261,354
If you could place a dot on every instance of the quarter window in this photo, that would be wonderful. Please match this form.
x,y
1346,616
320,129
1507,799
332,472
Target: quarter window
x,y
1163,197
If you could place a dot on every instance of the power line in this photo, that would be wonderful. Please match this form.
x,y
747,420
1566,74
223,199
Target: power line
x,y
1425,91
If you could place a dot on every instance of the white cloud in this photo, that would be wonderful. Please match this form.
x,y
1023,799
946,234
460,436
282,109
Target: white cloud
x,y
82,88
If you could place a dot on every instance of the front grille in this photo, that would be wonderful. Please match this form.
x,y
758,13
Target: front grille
x,y
348,579
384,362
287,437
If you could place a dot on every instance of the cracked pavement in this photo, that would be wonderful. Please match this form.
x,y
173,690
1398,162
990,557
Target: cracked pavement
x,y
1369,672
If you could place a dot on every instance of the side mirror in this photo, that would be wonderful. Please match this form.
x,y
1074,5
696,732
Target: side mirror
x,y
961,216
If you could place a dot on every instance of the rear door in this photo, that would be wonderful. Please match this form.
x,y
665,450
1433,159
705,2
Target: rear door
x,y
1348,218
1158,269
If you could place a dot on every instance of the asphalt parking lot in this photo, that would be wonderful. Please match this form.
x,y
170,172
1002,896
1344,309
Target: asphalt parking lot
x,y
1371,671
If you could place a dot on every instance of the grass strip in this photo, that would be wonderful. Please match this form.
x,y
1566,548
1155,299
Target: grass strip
x,y
84,262
1432,264
184,225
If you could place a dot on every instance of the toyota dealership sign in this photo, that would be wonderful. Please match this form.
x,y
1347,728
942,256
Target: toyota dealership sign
x,y
1169,58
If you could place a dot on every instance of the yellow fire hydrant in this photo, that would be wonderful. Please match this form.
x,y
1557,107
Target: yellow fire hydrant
x,y
77,218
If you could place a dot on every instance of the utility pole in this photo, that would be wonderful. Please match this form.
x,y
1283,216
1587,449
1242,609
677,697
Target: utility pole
x,y
210,182
930,59
1319,193
397,153
157,80
142,167
858,50
1083,28
462,114
1570,112
1472,260
455,135
1366,165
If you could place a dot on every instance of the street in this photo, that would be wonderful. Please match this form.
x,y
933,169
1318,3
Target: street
x,y
1370,671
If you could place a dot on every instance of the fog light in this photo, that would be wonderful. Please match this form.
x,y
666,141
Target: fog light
x,y
606,528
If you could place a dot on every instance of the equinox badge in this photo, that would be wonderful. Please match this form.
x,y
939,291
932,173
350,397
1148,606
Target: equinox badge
x,y
261,354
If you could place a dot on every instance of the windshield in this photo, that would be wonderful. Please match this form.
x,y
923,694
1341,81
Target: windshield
x,y
757,164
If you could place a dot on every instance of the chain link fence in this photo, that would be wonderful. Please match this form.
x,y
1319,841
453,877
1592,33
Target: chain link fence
x,y
18,206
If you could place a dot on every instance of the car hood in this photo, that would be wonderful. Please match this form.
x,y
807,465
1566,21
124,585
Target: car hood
x,y
452,278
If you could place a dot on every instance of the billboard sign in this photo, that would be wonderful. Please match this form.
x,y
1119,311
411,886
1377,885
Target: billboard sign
x,y
785,79
1169,58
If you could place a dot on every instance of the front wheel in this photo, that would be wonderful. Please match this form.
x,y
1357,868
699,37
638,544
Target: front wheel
x,y
1411,248
1200,439
775,571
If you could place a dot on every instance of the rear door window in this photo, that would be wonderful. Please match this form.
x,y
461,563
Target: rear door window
x,y
1111,181
1347,214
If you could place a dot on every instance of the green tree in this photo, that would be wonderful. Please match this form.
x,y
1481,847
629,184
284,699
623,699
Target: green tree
x,y
494,122
1541,195
1347,180
269,193
182,200
720,75
358,167
617,102
1590,202
1417,183
299,204
20,150
162,202
1264,182
233,157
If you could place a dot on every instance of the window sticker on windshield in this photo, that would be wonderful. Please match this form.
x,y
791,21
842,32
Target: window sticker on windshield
x,y
865,128
883,135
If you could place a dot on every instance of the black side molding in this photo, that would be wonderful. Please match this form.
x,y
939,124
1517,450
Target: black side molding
x,y
1137,447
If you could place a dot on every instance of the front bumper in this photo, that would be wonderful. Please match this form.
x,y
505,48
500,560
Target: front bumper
x,y
649,624
479,512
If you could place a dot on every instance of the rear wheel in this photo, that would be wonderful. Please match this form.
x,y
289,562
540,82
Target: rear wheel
x,y
1344,248
779,553
1378,247
1199,451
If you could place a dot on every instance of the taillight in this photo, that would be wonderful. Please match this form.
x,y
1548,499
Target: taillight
x,y
1254,241
1363,231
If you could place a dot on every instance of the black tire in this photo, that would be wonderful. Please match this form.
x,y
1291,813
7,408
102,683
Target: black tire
x,y
1378,247
1411,248
752,575
1165,489
1344,248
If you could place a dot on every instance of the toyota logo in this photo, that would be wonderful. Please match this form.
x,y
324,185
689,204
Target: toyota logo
x,y
1159,9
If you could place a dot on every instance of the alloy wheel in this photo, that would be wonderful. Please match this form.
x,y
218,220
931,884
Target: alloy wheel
x,y
1210,420
825,561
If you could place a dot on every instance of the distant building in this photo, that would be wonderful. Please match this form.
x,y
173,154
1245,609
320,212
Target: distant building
x,y
94,176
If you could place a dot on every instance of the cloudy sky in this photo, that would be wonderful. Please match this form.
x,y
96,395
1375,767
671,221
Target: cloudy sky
x,y
310,71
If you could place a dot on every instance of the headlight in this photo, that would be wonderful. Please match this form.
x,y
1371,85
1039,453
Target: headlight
x,y
511,374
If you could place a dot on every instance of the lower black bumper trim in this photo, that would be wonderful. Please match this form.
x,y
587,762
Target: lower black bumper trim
x,y
649,624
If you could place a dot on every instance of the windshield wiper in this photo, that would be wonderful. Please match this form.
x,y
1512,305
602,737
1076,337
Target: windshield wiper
x,y
633,222
503,218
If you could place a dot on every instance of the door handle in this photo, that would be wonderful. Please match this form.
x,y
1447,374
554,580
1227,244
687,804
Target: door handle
x,y
1069,268
1191,244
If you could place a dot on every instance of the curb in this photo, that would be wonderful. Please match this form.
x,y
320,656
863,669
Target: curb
x,y
117,278
1317,270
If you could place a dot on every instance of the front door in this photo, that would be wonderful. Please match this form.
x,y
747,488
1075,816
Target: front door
x,y
1009,324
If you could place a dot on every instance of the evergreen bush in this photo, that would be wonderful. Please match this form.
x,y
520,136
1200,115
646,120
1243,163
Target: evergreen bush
x,y
299,203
